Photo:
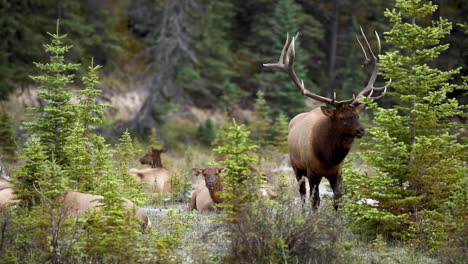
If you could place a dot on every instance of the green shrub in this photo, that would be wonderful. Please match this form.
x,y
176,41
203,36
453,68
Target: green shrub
x,y
206,132
178,133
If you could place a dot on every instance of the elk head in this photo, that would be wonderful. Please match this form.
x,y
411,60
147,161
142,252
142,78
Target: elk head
x,y
153,157
212,180
345,113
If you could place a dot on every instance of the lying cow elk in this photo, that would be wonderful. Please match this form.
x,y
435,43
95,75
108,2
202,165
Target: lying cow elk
x,y
74,203
319,140
156,178
206,196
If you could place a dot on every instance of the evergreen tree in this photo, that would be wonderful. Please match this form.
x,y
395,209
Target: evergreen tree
x,y
34,157
240,184
416,162
206,132
112,229
281,94
261,124
153,140
129,187
7,137
53,122
90,113
281,133
211,77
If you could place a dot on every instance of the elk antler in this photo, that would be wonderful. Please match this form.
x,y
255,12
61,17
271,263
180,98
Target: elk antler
x,y
286,64
369,90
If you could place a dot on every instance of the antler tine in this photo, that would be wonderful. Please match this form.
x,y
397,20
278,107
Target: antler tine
x,y
368,45
284,49
363,49
378,42
290,54
381,95
286,64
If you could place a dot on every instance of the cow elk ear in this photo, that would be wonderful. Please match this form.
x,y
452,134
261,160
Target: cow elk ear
x,y
197,171
327,111
359,108
164,150
222,170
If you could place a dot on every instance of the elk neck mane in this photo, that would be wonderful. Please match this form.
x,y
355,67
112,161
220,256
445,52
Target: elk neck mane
x,y
330,144
214,192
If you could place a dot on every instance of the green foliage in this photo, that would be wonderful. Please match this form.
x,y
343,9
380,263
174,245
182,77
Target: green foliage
x,y
168,238
112,231
53,122
153,139
178,133
261,123
286,16
180,186
238,179
128,187
34,156
8,146
23,24
90,113
280,138
416,163
206,132
211,76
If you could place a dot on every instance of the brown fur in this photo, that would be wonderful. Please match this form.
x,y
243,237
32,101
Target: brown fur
x,y
77,204
156,178
318,142
201,200
6,192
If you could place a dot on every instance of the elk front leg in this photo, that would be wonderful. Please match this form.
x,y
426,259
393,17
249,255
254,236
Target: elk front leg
x,y
314,182
301,181
335,183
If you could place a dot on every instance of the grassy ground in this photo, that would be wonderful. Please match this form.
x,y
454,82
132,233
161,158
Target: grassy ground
x,y
206,240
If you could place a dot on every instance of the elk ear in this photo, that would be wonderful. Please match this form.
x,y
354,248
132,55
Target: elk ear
x,y
327,111
222,170
164,150
197,171
359,108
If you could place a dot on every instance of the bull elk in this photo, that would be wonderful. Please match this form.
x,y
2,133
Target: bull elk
x,y
319,140
156,178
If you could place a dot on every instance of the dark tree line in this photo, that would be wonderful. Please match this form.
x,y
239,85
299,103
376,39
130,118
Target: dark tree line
x,y
209,52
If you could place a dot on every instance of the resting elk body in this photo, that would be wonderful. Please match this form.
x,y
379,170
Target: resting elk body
x,y
206,196
156,178
319,140
6,192
74,203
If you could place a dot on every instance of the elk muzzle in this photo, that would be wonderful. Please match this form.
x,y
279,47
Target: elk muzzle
x,y
360,132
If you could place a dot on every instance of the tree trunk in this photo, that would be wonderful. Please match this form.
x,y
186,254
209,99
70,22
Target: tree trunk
x,y
171,44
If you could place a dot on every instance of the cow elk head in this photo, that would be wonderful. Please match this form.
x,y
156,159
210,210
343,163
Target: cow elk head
x,y
153,157
211,175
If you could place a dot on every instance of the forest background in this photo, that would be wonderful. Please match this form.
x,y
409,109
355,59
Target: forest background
x,y
207,55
